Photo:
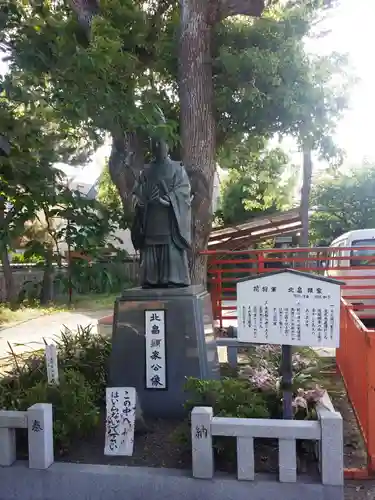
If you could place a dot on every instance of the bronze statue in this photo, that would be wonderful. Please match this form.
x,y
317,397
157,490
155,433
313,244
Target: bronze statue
x,y
162,222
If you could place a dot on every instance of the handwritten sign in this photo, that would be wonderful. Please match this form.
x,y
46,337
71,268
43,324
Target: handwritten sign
x,y
120,420
52,365
155,349
289,308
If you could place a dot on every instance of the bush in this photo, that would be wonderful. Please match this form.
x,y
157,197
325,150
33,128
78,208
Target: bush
x,y
77,399
88,354
228,397
92,277
75,412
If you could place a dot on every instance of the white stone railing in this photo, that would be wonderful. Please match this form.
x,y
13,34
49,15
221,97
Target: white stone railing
x,y
38,420
327,431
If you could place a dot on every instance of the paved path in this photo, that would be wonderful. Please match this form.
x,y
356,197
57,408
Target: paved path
x,y
101,482
31,333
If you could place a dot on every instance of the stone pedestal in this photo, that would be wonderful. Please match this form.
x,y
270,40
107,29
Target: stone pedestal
x,y
189,341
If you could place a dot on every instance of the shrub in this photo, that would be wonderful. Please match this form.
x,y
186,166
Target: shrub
x,y
75,412
229,397
88,354
76,400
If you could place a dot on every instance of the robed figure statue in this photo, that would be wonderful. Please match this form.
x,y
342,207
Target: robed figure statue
x,y
161,228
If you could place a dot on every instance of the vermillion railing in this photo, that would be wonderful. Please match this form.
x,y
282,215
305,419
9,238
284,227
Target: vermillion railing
x,y
225,268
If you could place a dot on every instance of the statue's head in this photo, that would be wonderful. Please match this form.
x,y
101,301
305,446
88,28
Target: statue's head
x,y
159,147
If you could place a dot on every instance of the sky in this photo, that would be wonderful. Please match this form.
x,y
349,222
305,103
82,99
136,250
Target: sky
x,y
351,31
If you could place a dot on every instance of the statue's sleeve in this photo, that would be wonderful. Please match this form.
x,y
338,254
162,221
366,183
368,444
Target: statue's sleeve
x,y
180,198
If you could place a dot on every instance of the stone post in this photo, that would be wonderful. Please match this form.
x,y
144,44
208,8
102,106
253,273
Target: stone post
x,y
40,435
201,441
332,448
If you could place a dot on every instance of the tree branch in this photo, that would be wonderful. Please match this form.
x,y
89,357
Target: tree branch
x,y
221,9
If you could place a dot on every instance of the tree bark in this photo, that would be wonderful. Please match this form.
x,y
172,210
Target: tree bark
x,y
46,293
197,123
198,126
10,288
305,196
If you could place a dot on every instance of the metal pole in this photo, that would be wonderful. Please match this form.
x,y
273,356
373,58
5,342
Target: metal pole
x,y
287,378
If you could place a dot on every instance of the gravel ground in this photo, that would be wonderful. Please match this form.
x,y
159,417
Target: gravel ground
x,y
355,490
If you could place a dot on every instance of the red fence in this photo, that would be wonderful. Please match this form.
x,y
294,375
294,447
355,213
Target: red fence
x,y
356,270
356,355
356,361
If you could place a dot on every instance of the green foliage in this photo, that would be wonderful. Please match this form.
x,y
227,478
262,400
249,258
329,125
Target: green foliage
x,y
87,353
87,222
256,183
83,278
229,397
342,201
76,401
84,224
109,198
98,277
39,137
75,411
107,192
264,81
20,258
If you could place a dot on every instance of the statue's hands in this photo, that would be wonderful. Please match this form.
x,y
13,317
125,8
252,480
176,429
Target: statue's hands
x,y
164,201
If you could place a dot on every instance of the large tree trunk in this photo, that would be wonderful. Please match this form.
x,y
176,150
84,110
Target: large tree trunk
x,y
10,288
197,123
46,294
305,196
198,126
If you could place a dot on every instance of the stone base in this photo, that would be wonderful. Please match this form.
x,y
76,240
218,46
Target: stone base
x,y
189,338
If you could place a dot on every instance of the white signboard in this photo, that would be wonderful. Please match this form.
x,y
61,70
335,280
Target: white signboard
x,y
289,308
52,365
120,420
156,376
